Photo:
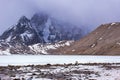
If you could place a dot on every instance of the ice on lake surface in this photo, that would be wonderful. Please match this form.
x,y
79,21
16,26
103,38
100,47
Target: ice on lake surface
x,y
55,59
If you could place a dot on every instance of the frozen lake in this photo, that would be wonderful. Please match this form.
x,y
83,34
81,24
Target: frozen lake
x,y
55,59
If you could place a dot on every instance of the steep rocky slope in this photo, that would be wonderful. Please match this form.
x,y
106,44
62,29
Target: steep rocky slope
x,y
105,40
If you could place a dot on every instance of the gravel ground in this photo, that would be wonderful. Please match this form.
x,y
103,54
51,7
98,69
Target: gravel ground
x,y
77,71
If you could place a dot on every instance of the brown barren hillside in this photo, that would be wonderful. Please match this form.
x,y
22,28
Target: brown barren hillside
x,y
105,40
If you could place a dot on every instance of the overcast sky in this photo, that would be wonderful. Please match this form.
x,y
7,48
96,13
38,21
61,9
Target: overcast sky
x,y
90,13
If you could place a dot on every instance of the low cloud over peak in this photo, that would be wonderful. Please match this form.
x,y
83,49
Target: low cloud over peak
x,y
89,13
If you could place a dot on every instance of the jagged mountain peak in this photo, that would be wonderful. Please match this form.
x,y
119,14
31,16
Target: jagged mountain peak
x,y
22,33
23,20
41,28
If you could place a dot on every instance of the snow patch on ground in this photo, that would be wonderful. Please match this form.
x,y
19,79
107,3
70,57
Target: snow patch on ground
x,y
67,43
100,38
93,45
113,24
5,52
118,43
73,50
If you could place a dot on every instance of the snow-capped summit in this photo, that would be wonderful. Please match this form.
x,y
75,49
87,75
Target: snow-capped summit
x,y
23,20
21,33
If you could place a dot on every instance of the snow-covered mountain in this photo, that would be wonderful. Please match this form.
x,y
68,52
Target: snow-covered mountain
x,y
40,29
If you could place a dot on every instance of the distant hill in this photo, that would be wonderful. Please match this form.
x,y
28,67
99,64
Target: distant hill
x,y
105,40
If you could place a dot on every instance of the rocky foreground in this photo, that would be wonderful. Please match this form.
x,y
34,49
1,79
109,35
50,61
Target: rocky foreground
x,y
77,71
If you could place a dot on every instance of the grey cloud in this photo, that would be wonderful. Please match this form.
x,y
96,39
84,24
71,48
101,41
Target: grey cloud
x,y
12,10
88,13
